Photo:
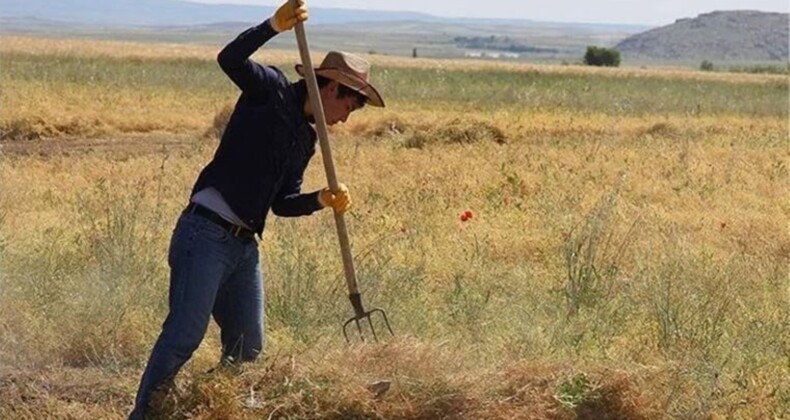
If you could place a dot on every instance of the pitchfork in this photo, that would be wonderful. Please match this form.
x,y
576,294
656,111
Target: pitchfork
x,y
342,232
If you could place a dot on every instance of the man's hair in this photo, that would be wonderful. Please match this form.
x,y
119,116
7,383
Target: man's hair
x,y
343,91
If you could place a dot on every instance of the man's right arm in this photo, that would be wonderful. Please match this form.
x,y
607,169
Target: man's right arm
x,y
234,59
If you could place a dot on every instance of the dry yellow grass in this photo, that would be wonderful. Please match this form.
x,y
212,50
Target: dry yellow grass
x,y
557,184
61,104
685,315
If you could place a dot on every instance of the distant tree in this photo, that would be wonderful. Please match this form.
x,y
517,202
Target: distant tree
x,y
706,65
414,53
598,56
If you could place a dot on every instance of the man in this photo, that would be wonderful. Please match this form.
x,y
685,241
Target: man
x,y
258,165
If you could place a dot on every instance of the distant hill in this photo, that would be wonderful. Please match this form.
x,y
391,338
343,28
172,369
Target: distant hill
x,y
115,13
392,33
717,36
137,13
128,13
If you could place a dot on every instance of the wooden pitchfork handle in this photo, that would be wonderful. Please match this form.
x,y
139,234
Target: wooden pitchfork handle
x,y
326,152
329,165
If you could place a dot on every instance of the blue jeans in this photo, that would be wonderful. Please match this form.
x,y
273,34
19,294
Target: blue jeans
x,y
211,273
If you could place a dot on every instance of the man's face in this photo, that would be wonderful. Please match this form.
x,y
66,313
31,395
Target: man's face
x,y
336,109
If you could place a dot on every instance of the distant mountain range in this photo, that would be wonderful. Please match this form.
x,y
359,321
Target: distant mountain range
x,y
392,33
717,36
115,13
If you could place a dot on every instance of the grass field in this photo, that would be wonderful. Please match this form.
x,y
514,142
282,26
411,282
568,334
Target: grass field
x,y
628,255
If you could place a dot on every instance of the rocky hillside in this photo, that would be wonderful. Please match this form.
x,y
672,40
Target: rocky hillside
x,y
717,36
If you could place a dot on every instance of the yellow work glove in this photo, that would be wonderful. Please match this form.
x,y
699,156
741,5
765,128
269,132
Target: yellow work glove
x,y
285,17
340,202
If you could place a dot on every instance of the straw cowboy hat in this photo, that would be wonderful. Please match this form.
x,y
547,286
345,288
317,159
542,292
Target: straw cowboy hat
x,y
350,70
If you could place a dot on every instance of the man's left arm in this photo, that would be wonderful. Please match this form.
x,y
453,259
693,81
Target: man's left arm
x,y
291,202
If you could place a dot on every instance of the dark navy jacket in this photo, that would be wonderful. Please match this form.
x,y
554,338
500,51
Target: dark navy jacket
x,y
260,161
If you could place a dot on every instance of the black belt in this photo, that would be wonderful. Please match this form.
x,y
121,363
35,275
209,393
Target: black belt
x,y
235,230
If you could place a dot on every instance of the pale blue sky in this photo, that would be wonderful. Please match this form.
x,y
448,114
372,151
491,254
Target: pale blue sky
x,y
651,12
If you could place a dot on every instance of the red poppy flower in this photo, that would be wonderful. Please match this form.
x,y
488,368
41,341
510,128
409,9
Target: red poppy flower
x,y
466,215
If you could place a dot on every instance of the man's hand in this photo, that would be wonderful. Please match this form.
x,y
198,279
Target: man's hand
x,y
340,202
285,18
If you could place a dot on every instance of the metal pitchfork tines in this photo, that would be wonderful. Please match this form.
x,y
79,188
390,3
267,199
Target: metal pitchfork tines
x,y
359,314
326,152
